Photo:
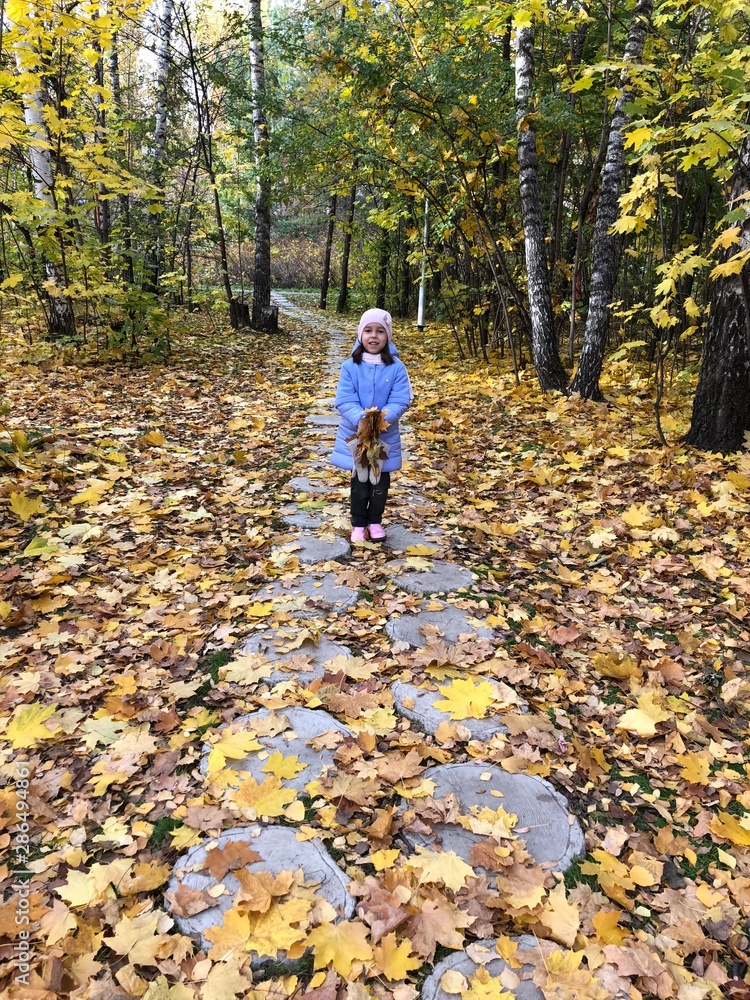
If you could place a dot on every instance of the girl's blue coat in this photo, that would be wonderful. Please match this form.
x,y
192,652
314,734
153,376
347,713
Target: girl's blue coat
x,y
360,387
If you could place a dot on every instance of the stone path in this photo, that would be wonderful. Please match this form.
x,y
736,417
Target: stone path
x,y
304,726
226,862
496,967
315,587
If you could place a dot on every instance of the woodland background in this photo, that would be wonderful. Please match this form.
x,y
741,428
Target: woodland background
x,y
584,169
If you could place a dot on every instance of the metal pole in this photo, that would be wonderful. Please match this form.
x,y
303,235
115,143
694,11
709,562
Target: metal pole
x,y
423,279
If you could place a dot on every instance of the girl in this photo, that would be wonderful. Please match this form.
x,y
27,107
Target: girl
x,y
373,376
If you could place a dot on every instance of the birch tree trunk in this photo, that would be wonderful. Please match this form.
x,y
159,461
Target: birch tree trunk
x,y
153,264
264,317
604,257
205,149
721,409
326,280
103,214
60,316
123,200
549,369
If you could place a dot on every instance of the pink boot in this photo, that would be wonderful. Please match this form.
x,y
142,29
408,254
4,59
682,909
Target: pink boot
x,y
377,532
358,535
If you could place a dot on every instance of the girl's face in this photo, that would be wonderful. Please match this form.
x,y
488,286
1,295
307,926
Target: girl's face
x,y
374,338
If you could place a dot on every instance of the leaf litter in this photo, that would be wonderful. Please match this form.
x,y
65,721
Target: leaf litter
x,y
140,509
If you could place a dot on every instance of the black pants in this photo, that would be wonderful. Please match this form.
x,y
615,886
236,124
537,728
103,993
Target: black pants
x,y
368,501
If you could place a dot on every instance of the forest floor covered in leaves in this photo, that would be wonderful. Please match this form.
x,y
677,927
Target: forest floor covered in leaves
x,y
139,511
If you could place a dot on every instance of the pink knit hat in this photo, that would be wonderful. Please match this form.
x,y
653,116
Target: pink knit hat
x,y
376,316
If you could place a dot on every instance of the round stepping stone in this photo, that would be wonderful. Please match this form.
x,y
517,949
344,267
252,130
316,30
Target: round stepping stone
x,y
422,711
268,643
306,485
460,962
306,724
310,549
442,577
550,832
451,621
309,520
280,851
323,419
400,538
311,596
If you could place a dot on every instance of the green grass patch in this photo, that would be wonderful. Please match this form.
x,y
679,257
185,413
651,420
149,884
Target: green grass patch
x,y
162,828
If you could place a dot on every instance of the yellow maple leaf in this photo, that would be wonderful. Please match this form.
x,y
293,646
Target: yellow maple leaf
x,y
488,822
395,961
642,720
566,978
695,767
185,836
265,799
27,728
616,665
248,668
273,931
226,980
155,438
420,550
138,938
606,926
382,860
260,609
143,877
283,767
442,866
560,917
637,515
483,986
418,563
340,945
86,888
230,936
93,493
232,746
729,827
465,699
24,507
728,238
39,546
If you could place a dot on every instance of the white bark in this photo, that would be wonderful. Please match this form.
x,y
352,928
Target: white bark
x,y
163,55
604,257
264,317
549,369
154,256
61,321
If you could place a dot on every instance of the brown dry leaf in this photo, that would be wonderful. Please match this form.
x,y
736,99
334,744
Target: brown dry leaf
x,y
439,921
235,854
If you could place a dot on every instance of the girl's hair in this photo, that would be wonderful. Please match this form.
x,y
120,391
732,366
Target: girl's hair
x,y
385,354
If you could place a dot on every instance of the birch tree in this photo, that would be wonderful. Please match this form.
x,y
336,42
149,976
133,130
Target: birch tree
x,y
604,255
153,264
50,250
549,369
264,316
